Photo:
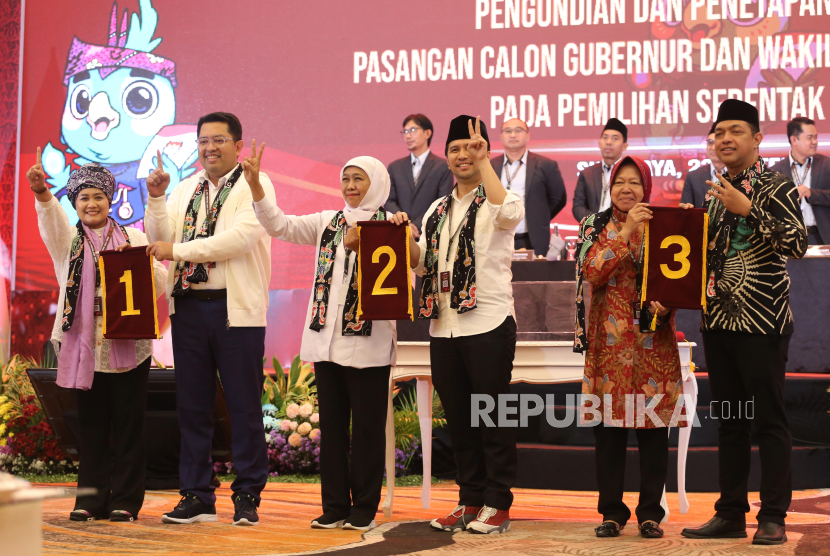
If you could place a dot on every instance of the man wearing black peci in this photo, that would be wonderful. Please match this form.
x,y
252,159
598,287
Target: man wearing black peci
x,y
755,226
464,256
593,188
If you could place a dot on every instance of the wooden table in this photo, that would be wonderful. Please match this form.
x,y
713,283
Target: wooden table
x,y
535,363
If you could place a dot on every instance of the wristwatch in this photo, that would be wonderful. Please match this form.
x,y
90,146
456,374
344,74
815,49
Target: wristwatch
x,y
39,191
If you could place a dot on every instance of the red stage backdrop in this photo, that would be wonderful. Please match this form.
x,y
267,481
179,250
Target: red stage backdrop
x,y
325,81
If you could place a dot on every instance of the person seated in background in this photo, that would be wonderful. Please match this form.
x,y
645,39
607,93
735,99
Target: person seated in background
x,y
108,377
694,186
810,172
625,359
592,193
534,178
420,178
352,358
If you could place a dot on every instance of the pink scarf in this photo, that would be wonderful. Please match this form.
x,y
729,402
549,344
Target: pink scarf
x,y
76,360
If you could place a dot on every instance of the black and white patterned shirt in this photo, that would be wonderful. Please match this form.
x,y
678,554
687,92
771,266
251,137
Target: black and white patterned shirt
x,y
753,289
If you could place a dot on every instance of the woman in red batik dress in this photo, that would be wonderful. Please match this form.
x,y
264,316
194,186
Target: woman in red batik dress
x,y
633,372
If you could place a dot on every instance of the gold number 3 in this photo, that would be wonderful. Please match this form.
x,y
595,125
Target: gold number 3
x,y
379,289
682,257
127,279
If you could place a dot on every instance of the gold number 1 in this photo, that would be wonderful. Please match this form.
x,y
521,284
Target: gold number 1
x,y
379,289
682,257
127,279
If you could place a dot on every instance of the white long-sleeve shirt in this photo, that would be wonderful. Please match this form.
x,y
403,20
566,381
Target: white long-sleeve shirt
x,y
58,234
329,344
494,232
239,246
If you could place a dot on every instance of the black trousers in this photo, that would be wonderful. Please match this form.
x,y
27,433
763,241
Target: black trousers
x,y
522,241
344,393
750,368
486,457
111,426
203,344
654,463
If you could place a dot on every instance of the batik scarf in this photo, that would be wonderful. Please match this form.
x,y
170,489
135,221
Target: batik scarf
x,y
728,229
76,358
589,231
329,241
463,295
188,273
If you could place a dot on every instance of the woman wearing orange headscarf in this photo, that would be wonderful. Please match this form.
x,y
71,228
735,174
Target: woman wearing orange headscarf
x,y
632,369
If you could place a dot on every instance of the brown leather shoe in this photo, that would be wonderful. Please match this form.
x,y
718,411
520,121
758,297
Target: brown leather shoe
x,y
717,528
770,533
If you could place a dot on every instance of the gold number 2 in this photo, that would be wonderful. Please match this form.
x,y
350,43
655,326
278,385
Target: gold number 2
x,y
127,279
379,289
682,257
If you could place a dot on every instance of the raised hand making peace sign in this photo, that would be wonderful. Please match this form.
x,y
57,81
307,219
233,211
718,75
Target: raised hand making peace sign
x,y
158,180
733,200
251,165
477,148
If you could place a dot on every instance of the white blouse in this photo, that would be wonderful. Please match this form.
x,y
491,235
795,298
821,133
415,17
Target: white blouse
x,y
57,234
329,344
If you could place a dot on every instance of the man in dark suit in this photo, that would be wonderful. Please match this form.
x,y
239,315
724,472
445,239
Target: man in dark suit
x,y
811,174
593,190
536,179
695,186
421,177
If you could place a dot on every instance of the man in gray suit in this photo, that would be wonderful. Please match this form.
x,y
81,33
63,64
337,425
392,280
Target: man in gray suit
x,y
421,177
811,174
536,179
593,190
695,186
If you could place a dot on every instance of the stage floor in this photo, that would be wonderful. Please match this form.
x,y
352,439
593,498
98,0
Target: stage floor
x,y
544,522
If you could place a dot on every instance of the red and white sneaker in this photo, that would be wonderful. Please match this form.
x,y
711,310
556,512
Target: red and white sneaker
x,y
456,520
490,520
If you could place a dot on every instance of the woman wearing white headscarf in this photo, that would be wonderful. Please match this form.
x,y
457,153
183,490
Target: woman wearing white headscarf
x,y
352,358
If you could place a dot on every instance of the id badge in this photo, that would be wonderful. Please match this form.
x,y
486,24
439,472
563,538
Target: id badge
x,y
635,310
445,281
98,304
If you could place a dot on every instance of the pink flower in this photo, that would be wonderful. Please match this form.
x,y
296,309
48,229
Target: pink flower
x,y
306,409
295,439
292,411
304,429
285,425
315,418
293,425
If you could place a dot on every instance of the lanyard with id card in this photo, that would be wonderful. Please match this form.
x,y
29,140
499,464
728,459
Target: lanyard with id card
x,y
444,277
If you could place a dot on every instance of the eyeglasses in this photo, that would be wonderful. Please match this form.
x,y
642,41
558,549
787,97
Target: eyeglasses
x,y
710,142
512,130
407,131
218,141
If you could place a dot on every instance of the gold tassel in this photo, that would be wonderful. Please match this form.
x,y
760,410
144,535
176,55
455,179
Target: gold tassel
x,y
359,276
705,242
653,326
409,285
645,266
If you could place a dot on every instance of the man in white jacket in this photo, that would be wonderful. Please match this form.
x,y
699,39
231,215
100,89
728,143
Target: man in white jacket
x,y
218,294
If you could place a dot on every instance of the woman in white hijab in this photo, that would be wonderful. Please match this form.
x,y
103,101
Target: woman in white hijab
x,y
352,358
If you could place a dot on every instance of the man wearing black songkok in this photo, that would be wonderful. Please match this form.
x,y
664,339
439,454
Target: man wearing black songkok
x,y
755,225
593,188
464,255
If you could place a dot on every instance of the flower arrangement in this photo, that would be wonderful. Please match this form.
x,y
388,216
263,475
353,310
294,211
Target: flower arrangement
x,y
27,443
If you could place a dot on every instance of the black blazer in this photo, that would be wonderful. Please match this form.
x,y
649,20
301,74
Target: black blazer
x,y
434,182
694,186
588,192
819,190
545,196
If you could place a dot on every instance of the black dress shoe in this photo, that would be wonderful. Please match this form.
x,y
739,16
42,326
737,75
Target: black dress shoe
x,y
609,529
651,530
770,533
717,528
